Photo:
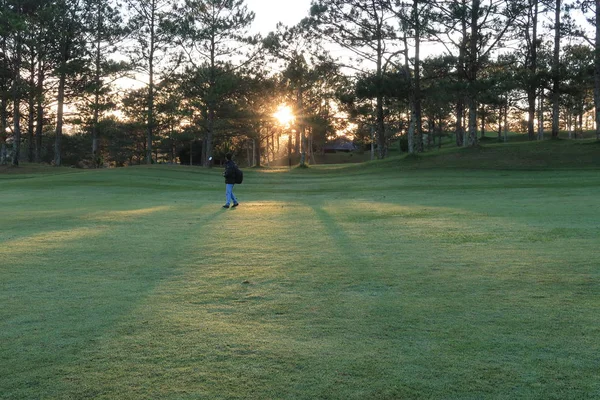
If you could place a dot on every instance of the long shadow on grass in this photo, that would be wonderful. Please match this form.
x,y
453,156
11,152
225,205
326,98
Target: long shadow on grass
x,y
343,242
71,297
358,269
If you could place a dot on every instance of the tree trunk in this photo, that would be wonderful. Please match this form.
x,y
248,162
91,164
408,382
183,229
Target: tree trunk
x,y
532,87
381,142
203,150
531,111
211,104
289,150
150,128
3,153
257,155
151,48
311,147
540,135
65,56
3,111
17,103
460,103
268,142
430,130
459,131
274,145
297,141
473,70
249,153
500,124
60,115
209,137
411,102
483,116
555,73
301,128
472,138
372,142
96,110
304,145
31,109
417,95
380,128
39,129
570,124
440,122
411,128
3,126
506,122
171,143
597,72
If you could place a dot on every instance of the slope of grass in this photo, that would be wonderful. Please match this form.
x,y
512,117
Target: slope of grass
x,y
334,282
536,155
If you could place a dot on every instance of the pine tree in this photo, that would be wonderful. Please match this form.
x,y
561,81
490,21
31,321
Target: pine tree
x,y
480,27
106,30
365,28
214,33
151,26
69,58
591,11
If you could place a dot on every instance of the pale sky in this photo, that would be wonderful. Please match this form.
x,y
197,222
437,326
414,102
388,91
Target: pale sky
x,y
270,12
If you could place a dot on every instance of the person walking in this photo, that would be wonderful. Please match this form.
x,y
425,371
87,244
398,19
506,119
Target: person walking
x,y
229,175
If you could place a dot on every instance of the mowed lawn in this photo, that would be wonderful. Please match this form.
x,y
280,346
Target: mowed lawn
x,y
327,283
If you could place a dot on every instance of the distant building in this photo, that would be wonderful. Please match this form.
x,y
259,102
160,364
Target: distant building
x,y
339,145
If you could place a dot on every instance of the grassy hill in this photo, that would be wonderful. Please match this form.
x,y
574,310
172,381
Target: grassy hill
x,y
489,155
547,154
468,273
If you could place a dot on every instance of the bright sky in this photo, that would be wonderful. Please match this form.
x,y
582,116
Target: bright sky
x,y
270,12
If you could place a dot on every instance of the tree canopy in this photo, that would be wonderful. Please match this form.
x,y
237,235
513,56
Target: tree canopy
x,y
174,80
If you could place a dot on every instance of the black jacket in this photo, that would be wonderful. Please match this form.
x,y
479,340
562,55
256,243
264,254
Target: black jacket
x,y
229,172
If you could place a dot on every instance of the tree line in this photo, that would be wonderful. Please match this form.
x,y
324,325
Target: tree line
x,y
378,69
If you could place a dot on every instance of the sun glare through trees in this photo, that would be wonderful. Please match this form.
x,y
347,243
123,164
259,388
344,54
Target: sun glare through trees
x,y
89,83
284,115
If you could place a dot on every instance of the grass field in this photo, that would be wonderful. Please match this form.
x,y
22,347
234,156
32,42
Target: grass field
x,y
398,279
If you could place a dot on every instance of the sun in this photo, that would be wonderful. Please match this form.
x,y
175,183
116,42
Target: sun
x,y
284,115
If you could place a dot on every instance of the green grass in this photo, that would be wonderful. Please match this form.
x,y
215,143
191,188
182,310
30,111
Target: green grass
x,y
394,280
544,155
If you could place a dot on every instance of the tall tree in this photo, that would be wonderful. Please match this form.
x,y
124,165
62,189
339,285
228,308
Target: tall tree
x,y
555,70
106,31
591,11
15,20
477,28
415,17
366,29
69,18
5,82
214,33
42,44
151,25
527,25
577,83
439,80
453,20
38,44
